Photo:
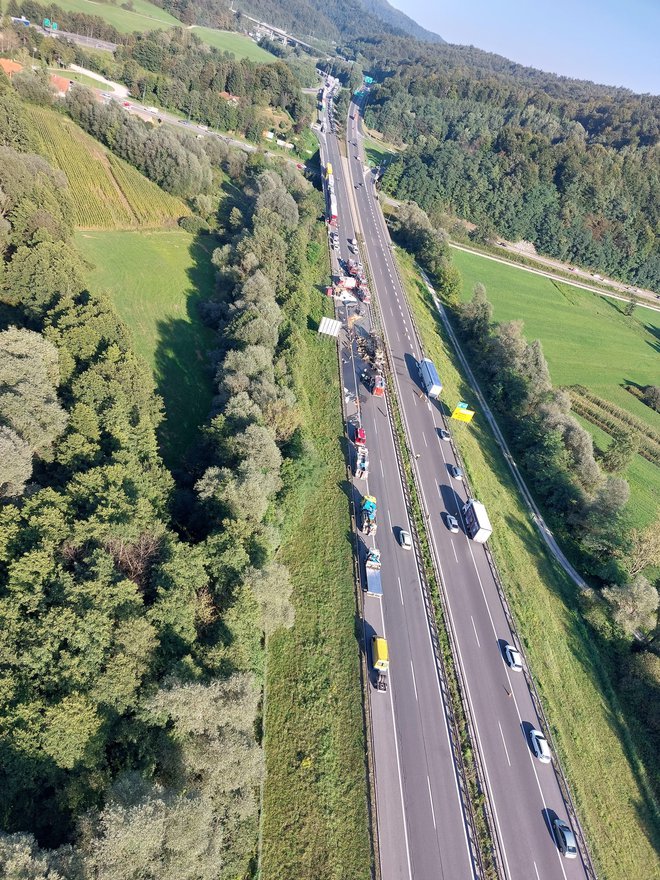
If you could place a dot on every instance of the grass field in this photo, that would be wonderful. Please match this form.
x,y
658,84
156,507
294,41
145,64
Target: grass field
x,y
377,151
587,340
155,280
79,78
144,16
591,732
315,817
238,44
107,192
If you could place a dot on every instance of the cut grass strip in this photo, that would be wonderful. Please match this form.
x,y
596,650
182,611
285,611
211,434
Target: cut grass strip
x,y
594,738
314,824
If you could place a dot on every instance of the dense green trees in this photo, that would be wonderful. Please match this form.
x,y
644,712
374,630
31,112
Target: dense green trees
x,y
132,660
30,414
178,163
569,166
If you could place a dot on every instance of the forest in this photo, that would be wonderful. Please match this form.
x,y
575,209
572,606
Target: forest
x,y
134,607
570,166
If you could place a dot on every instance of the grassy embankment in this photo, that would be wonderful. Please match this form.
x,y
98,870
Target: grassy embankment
x,y
107,193
155,280
587,340
146,16
589,727
238,44
81,78
315,819
378,151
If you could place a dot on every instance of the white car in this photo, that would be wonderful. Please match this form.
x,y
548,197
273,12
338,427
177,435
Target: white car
x,y
540,746
513,658
405,540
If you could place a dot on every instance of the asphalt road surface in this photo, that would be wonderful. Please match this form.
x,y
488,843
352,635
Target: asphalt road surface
x,y
524,794
422,828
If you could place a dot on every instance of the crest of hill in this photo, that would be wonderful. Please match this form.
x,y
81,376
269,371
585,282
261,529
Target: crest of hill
x,y
336,20
107,193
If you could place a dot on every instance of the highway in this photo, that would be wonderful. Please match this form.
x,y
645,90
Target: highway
x,y
422,827
524,794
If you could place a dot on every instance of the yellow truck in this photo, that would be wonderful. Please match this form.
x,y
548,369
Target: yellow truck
x,y
380,660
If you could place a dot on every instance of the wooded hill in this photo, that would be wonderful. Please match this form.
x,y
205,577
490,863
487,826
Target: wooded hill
x,y
571,166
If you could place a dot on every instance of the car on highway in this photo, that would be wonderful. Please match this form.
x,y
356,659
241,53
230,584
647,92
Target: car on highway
x,y
125,103
444,435
455,471
452,523
405,539
512,657
564,838
540,746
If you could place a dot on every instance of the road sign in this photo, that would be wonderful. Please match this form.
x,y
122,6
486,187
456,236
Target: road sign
x,y
53,25
46,22
462,413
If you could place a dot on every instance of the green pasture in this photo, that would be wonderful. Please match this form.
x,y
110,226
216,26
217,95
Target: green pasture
x,y
156,280
587,340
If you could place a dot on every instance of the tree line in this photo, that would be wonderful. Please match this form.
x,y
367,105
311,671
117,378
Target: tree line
x,y
132,656
569,166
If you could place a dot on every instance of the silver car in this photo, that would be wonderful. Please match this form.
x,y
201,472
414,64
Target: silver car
x,y
452,523
405,540
540,746
565,838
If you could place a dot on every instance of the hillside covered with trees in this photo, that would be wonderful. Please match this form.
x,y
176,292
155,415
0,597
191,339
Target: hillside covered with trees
x,y
570,166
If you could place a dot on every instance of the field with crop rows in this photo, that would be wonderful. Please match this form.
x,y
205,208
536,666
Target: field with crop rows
x,y
107,192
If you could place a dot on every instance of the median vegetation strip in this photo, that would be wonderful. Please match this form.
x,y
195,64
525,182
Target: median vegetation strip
x,y
315,799
593,735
